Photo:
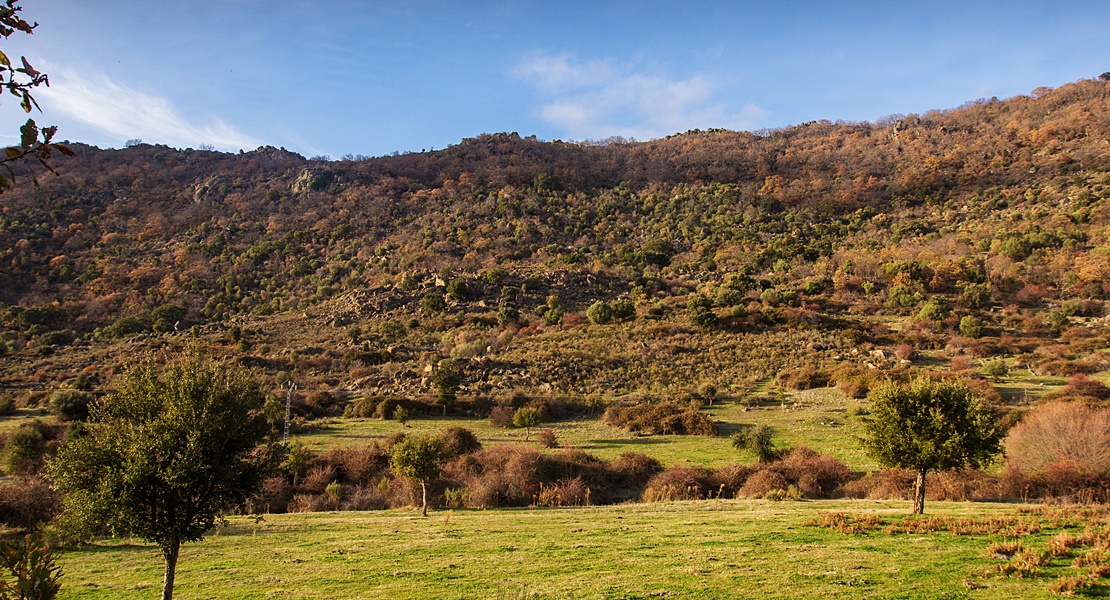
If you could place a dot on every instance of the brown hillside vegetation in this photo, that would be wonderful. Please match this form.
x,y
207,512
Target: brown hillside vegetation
x,y
719,258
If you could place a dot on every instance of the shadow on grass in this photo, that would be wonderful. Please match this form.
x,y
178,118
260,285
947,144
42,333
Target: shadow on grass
x,y
110,546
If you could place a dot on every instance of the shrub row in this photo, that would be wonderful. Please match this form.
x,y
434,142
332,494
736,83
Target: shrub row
x,y
667,418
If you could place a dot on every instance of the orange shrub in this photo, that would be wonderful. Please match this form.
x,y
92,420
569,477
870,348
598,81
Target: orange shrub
x,y
1061,435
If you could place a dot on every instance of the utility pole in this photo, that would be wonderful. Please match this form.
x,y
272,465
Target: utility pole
x,y
288,402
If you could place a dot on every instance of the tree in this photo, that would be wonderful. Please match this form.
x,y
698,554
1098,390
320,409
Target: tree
x,y
34,143
700,310
165,456
757,440
927,425
599,313
419,458
446,380
526,417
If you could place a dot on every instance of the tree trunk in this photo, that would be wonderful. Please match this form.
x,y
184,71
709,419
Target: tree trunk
x,y
170,554
919,494
424,491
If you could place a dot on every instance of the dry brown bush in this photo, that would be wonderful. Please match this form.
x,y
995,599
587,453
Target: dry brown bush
x,y
816,475
666,418
1082,385
547,438
955,485
680,483
731,478
961,363
317,478
27,501
458,441
763,481
634,470
888,483
568,492
1061,435
302,503
501,416
275,496
359,466
365,497
854,381
805,378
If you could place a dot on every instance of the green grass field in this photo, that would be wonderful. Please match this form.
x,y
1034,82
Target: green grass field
x,y
710,549
814,418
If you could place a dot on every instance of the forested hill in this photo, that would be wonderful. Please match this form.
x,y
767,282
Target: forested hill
x,y
995,210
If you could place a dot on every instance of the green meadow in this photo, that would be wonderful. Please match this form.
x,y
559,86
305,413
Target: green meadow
x,y
709,549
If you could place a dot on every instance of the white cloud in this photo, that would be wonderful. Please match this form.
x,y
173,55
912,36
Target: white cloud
x,y
600,98
128,113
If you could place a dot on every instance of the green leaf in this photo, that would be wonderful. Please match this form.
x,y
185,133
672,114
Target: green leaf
x,y
29,133
26,102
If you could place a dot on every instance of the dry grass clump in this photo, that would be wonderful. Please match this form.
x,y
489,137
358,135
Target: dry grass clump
x,y
1004,550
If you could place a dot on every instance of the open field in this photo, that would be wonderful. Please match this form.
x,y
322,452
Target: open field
x,y
711,549
814,418
817,418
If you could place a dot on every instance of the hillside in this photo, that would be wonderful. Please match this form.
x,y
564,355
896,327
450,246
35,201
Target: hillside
x,y
725,258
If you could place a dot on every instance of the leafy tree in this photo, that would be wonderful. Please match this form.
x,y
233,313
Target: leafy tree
x,y
507,313
936,309
526,417
757,440
165,456
700,310
927,425
599,313
18,80
167,317
553,316
623,308
401,415
971,326
419,458
71,405
433,303
446,380
25,447
996,369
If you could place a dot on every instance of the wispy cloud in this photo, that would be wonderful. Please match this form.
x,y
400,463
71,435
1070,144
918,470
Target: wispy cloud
x,y
127,113
601,98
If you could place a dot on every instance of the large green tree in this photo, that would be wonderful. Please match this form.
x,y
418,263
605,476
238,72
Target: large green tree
x,y
927,425
419,458
166,456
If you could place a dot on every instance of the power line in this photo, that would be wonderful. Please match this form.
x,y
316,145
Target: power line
x,y
288,403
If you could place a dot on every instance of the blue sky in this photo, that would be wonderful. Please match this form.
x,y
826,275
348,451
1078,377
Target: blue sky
x,y
339,77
